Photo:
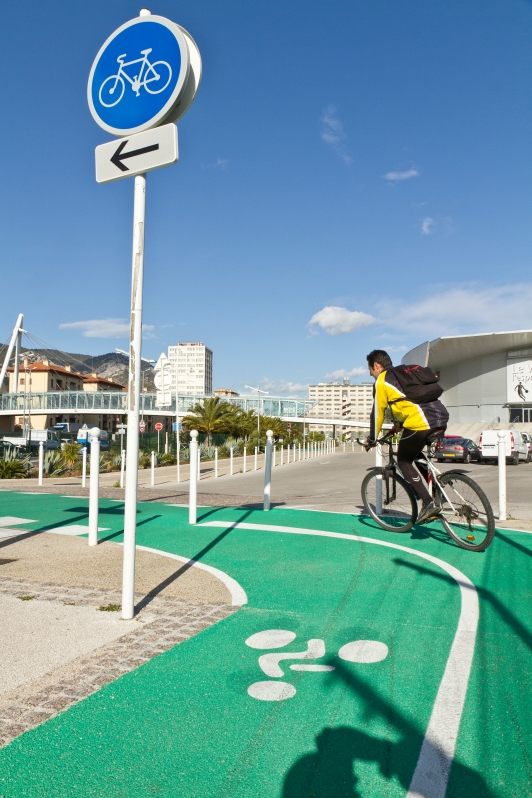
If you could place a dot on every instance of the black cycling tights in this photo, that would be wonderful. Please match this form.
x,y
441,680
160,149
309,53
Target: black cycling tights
x,y
410,448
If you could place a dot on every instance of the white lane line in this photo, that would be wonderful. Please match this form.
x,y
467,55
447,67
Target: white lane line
x,y
238,594
74,529
9,520
437,751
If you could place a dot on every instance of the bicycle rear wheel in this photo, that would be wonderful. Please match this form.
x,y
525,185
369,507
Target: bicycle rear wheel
x,y
467,517
389,500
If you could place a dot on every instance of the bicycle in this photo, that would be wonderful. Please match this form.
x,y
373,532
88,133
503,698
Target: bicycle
x,y
463,508
141,79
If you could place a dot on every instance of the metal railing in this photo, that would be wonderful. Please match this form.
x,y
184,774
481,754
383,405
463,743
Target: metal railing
x,y
116,402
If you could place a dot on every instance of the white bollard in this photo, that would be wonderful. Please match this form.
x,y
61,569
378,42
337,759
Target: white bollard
x,y
274,455
152,469
299,453
215,462
378,491
193,484
268,470
122,467
41,460
282,455
288,454
84,467
502,475
244,466
231,461
352,446
344,446
177,455
166,444
199,464
256,457
94,486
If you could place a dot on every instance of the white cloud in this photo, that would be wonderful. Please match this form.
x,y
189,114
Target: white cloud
x,y
396,348
106,328
460,311
220,163
339,374
282,387
427,225
336,321
394,176
332,132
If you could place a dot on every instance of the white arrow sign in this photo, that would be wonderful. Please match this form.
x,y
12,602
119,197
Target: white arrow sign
x,y
163,381
136,154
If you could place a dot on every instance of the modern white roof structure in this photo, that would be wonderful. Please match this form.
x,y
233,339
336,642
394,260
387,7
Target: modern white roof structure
x,y
449,350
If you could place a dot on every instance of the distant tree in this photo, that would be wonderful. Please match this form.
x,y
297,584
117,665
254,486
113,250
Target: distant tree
x,y
214,415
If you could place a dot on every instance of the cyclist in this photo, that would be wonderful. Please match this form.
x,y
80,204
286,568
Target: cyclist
x,y
419,422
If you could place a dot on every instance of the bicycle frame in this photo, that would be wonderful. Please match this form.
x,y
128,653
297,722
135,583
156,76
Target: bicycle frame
x,y
137,79
434,472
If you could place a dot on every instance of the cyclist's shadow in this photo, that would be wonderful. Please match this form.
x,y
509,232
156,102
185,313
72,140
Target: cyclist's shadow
x,y
329,772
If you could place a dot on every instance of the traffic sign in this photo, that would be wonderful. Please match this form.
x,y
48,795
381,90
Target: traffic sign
x,y
137,154
142,425
158,426
147,73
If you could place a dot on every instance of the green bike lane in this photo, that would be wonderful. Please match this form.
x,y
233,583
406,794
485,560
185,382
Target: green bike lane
x,y
200,720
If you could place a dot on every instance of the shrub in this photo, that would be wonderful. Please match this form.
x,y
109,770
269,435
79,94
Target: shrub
x,y
12,469
71,453
144,460
168,459
54,464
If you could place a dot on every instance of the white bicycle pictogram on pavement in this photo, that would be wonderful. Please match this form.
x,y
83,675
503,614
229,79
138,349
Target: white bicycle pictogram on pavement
x,y
362,651
148,73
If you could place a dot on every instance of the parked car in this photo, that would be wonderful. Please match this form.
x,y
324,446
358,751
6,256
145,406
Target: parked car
x,y
515,445
455,448
528,441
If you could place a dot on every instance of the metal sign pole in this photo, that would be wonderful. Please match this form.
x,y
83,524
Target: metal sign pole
x,y
132,455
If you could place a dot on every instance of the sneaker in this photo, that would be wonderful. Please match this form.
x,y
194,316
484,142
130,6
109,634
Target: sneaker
x,y
427,513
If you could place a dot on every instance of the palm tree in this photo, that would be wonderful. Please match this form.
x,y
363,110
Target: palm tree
x,y
214,415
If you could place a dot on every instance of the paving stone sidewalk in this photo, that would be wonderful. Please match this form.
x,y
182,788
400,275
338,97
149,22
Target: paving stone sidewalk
x,y
163,622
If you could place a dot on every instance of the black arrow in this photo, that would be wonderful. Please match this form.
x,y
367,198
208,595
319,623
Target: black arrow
x,y
118,157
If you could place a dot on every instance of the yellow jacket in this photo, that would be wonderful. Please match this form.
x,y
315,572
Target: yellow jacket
x,y
416,417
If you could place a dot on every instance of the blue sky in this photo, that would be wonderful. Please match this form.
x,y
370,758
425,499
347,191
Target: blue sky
x,y
351,175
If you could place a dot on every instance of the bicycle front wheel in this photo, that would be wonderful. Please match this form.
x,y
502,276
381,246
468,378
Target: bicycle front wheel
x,y
159,75
389,501
466,515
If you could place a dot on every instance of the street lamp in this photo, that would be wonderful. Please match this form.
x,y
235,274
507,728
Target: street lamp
x,y
252,388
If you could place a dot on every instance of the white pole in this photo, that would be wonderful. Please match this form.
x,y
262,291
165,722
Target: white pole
x,y
268,470
152,469
299,453
199,461
93,486
274,455
7,358
133,415
177,441
282,454
502,475
244,466
256,456
41,460
166,444
122,467
294,453
231,461
193,484
216,463
84,467
378,492
343,445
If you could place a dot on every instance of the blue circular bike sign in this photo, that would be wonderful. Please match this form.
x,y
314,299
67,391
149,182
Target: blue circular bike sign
x,y
139,76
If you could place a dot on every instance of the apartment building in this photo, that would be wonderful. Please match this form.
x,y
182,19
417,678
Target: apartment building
x,y
191,368
339,400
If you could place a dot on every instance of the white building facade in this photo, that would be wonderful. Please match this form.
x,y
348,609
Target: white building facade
x,y
191,368
340,400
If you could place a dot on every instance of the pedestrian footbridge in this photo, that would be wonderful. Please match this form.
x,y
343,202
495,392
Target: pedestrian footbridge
x,y
115,403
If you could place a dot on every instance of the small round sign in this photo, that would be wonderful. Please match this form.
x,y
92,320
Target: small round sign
x,y
158,426
145,74
142,426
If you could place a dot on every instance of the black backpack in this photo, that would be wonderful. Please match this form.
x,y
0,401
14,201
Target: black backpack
x,y
418,383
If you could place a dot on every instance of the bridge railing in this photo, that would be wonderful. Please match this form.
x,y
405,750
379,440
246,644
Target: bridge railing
x,y
116,401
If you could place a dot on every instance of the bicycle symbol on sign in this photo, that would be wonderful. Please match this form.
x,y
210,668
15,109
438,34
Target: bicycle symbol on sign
x,y
148,73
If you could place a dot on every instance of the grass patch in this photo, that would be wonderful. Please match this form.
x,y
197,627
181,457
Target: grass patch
x,y
26,598
110,608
